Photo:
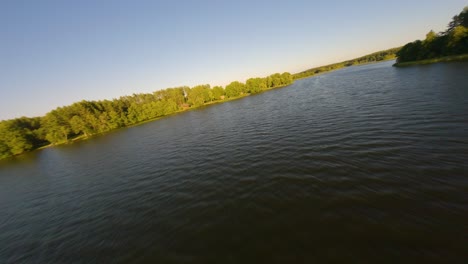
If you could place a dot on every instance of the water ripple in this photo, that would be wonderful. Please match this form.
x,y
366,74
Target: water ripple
x,y
365,164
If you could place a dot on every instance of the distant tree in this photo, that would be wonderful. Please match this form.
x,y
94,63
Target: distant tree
x,y
409,52
458,40
458,20
79,126
16,137
256,85
275,80
430,36
234,89
176,95
463,16
4,149
218,91
199,95
286,78
56,125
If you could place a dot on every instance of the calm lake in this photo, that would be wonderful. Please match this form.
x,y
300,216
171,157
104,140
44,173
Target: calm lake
x,y
368,164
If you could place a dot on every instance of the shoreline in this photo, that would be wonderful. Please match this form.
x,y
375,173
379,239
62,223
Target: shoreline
x,y
339,68
453,58
86,137
83,137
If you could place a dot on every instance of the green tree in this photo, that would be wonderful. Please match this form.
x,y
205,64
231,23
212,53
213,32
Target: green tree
x,y
218,91
234,89
409,52
79,126
430,36
56,126
458,40
199,95
256,85
4,149
15,137
286,78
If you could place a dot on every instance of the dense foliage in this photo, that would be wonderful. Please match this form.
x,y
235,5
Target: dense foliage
x,y
86,118
374,57
453,41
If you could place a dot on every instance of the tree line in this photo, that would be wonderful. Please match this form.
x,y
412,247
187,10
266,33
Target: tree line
x,y
388,54
453,41
86,118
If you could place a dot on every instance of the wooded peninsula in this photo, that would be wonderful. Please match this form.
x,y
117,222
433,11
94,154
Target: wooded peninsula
x,y
86,118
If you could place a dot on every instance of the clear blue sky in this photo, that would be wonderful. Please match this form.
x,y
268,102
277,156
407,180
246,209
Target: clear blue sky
x,y
54,53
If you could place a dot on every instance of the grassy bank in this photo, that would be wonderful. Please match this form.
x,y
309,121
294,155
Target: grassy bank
x,y
463,57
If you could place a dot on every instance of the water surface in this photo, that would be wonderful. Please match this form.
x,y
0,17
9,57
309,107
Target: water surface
x,y
364,164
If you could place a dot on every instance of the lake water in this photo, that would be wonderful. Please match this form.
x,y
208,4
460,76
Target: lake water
x,y
367,164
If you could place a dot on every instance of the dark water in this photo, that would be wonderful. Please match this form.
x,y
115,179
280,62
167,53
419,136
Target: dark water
x,y
367,164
